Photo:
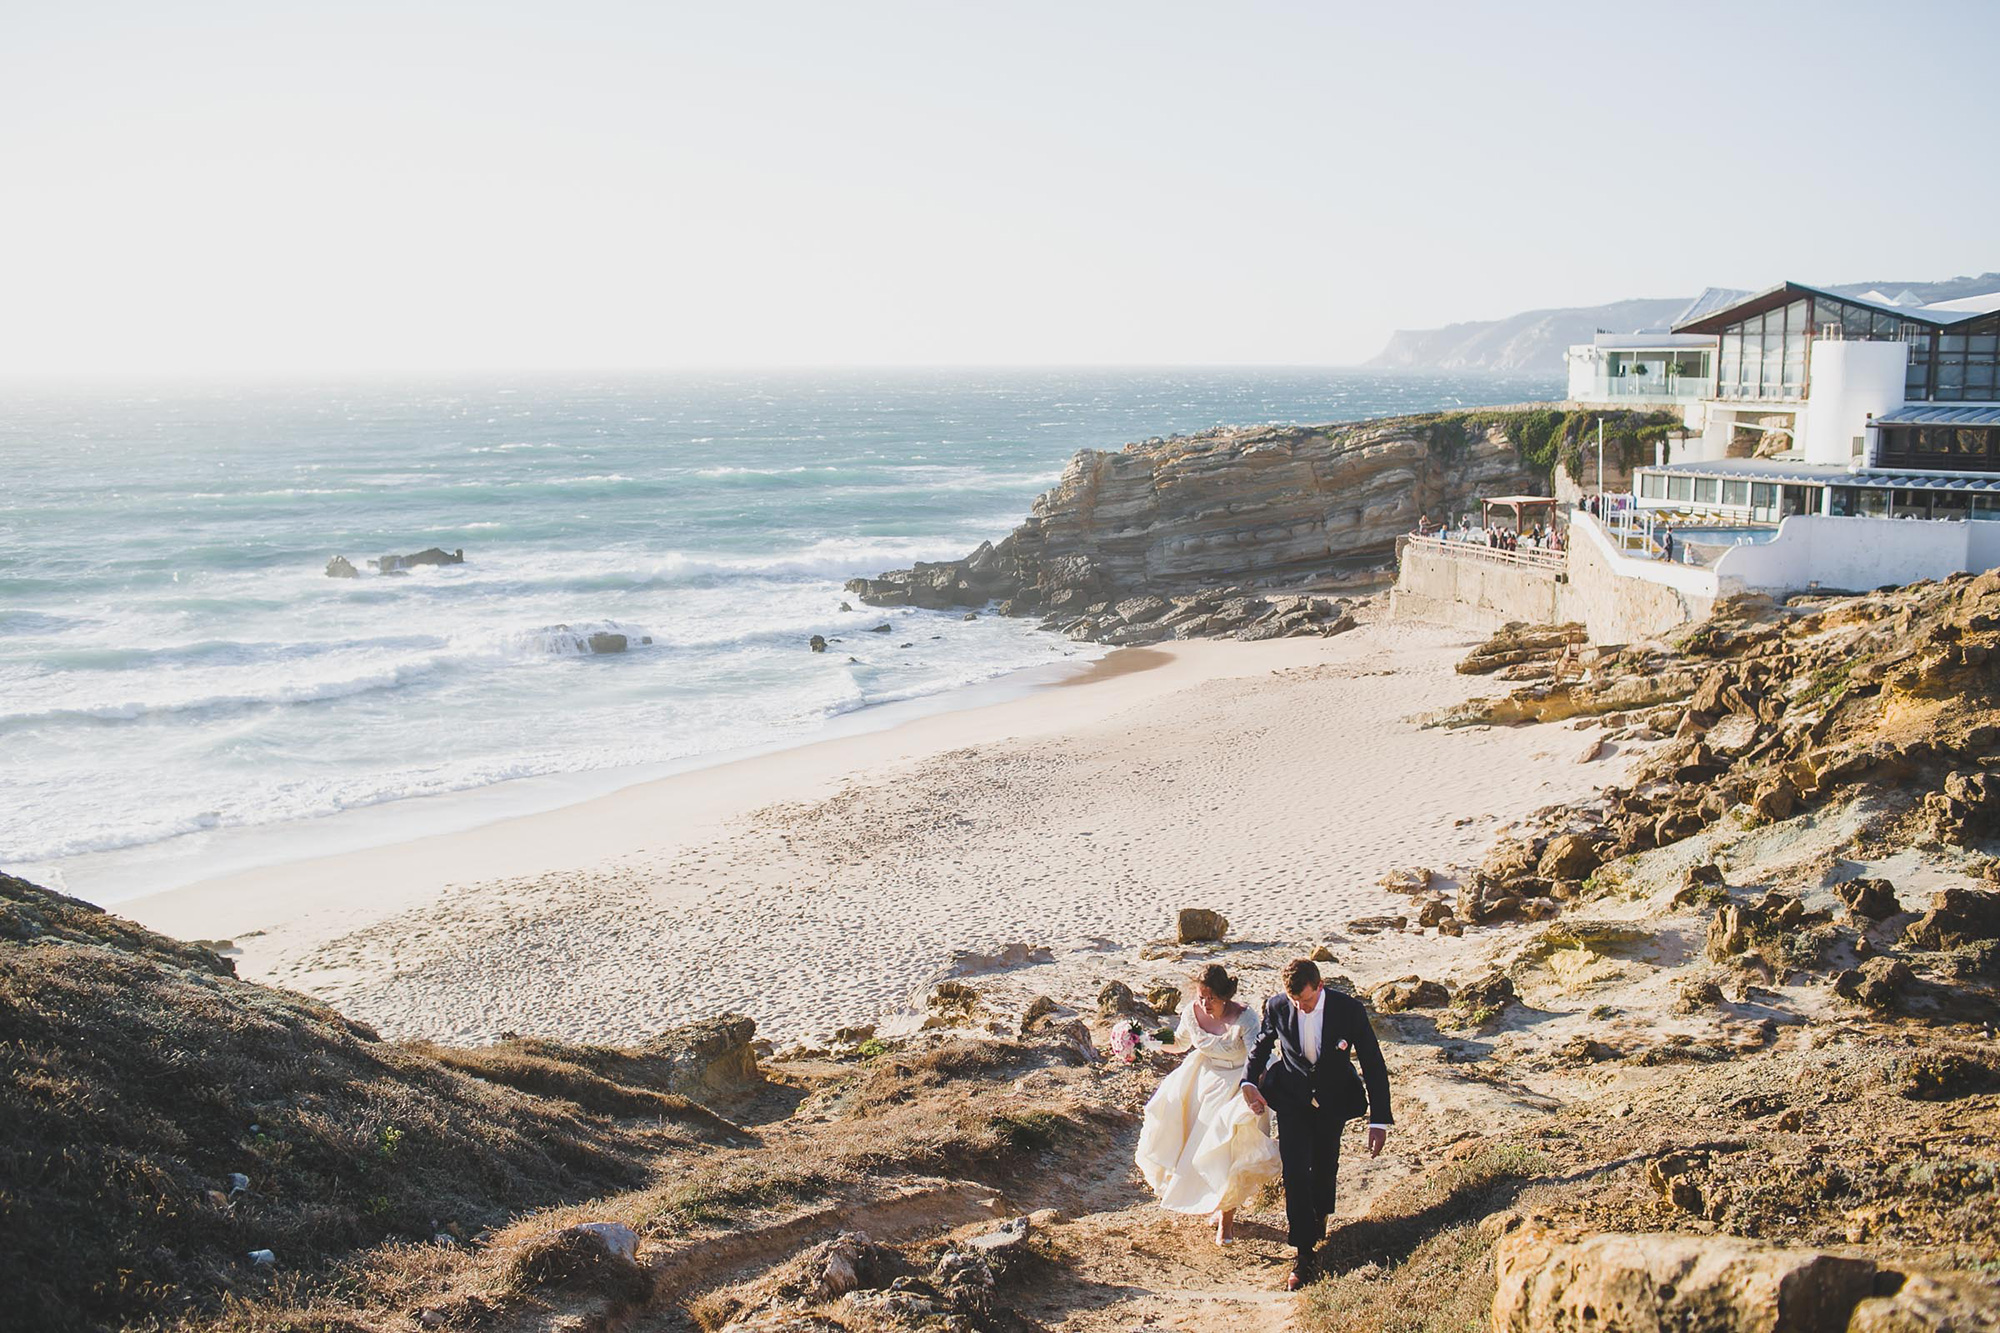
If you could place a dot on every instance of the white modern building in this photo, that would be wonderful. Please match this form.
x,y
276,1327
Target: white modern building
x,y
1641,369
1824,404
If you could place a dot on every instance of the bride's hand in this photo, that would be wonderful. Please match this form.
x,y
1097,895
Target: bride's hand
x,y
1255,1098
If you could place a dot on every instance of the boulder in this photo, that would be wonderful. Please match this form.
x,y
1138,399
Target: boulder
x,y
883,628
1570,856
1375,925
1958,916
1163,996
711,1058
340,567
817,643
1411,879
1670,1283
1393,997
1876,983
838,1266
1116,1000
604,641
1931,1304
392,564
597,1257
1874,899
1197,924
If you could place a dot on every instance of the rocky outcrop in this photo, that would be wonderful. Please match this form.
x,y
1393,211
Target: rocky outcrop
x,y
711,1058
340,567
393,564
1131,530
1663,1283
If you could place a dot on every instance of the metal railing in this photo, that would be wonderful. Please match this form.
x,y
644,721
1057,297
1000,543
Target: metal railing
x,y
1478,550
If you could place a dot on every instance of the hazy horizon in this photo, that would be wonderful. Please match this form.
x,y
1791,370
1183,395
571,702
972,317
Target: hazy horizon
x,y
230,191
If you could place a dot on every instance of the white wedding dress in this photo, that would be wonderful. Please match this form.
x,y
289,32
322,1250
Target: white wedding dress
x,y
1202,1148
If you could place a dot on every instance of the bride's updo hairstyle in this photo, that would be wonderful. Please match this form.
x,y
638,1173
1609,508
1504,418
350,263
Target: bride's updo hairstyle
x,y
1218,981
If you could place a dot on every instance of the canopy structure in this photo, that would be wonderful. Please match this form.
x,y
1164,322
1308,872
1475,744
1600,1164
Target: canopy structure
x,y
1523,509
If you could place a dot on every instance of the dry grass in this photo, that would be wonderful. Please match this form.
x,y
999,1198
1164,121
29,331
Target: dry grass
x,y
1419,1263
137,1076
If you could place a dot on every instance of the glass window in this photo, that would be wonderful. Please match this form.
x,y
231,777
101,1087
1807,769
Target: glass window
x,y
1680,488
1736,492
1704,490
1652,486
1986,507
1872,502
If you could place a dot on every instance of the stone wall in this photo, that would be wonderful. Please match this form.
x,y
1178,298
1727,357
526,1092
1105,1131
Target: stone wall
x,y
1467,592
1615,598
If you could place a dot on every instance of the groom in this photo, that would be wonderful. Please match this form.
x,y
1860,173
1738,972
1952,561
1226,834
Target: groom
x,y
1315,1035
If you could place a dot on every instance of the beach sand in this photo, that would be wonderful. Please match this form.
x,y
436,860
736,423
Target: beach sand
x,y
819,886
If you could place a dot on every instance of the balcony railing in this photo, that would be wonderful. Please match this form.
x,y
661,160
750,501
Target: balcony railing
x,y
1478,550
1649,388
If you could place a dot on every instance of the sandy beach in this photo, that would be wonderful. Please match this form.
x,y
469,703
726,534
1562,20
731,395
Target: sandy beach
x,y
818,886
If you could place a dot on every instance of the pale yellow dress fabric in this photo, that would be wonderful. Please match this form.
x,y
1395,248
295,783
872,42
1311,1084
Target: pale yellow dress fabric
x,y
1201,1147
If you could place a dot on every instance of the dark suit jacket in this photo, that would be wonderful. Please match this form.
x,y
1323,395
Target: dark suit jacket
x,y
1280,1070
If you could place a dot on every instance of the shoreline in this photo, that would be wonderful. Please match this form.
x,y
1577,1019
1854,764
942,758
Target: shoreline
x,y
206,906
119,876
821,885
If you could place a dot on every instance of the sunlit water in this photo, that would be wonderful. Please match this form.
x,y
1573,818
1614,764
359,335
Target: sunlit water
x,y
174,660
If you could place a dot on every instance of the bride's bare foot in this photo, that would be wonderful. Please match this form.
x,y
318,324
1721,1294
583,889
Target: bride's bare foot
x,y
1225,1227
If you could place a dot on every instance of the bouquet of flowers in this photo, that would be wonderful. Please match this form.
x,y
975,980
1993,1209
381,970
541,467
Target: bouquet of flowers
x,y
1129,1041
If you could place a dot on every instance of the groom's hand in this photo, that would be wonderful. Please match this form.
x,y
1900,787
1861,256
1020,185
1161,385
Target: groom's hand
x,y
1254,1097
1376,1138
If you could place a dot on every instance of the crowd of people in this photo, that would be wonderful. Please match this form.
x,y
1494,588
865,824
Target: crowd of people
x,y
1539,537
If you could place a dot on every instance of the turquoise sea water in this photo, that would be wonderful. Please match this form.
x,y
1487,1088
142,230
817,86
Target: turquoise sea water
x,y
173,659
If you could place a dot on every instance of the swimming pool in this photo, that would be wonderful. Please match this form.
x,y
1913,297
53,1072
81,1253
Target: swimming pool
x,y
1724,536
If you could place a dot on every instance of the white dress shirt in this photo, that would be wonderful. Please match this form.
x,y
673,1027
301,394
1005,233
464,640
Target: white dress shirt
x,y
1311,1024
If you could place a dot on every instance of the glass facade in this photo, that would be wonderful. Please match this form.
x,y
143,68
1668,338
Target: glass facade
x,y
1764,356
1945,448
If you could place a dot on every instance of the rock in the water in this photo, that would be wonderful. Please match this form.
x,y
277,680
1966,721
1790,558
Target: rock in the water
x,y
1197,924
817,643
1669,1283
883,628
340,567
394,564
604,641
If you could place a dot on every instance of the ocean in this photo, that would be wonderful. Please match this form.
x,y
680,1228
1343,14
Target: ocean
x,y
175,664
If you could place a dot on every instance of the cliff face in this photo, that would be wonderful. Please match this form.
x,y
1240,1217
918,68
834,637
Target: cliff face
x,y
1531,342
1168,516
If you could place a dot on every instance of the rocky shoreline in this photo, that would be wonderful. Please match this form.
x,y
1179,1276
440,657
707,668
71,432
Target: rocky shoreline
x,y
1234,532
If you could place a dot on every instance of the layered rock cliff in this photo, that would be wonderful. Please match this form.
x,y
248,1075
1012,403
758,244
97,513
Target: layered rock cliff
x,y
1265,504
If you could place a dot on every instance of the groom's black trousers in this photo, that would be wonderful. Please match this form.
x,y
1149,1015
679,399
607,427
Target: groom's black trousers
x,y
1309,1153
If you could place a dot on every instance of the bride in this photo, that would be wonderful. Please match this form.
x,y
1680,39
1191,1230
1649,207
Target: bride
x,y
1201,1148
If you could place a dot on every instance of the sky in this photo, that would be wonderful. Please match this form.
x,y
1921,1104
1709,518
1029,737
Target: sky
x,y
272,187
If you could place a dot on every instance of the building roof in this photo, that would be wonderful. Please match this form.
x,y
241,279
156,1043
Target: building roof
x,y
1821,474
1711,300
1971,305
1715,319
1933,414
